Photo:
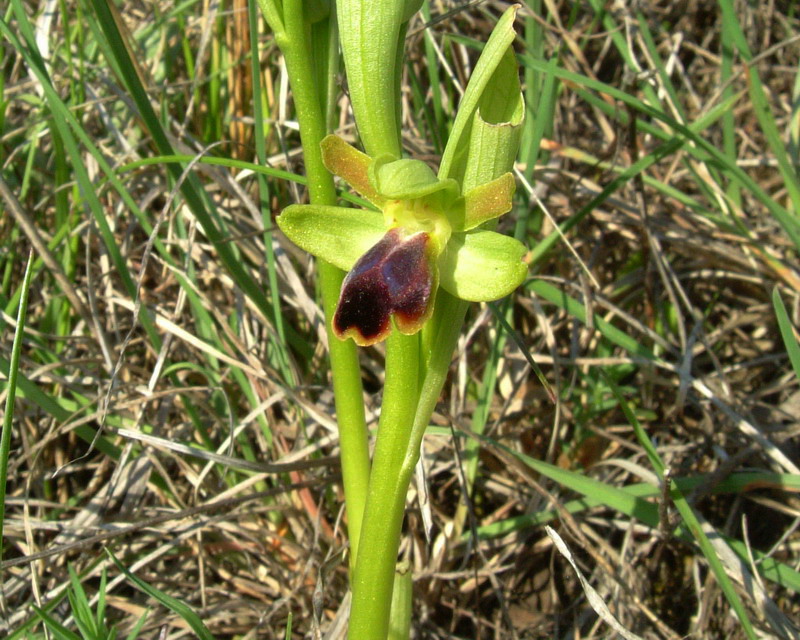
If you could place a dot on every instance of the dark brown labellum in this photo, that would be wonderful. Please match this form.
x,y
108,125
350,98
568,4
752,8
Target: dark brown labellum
x,y
395,277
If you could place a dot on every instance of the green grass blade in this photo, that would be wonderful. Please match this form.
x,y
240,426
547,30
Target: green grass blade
x,y
100,616
279,338
190,187
55,627
435,115
65,123
690,520
707,149
559,298
13,368
176,606
81,611
736,483
134,633
787,331
760,104
634,501
480,414
729,145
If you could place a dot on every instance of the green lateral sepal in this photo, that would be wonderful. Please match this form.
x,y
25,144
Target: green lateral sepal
x,y
335,234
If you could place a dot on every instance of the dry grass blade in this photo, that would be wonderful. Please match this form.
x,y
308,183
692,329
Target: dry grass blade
x,y
596,602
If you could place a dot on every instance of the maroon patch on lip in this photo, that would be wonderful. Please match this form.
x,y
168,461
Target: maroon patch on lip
x,y
394,277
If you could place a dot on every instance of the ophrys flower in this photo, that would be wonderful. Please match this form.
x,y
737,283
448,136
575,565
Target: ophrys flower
x,y
426,235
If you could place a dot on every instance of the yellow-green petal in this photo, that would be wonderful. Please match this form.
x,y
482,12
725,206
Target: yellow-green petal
x,y
482,203
347,162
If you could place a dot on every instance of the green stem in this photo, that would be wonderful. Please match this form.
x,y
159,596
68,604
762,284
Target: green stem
x,y
293,38
348,395
388,484
296,48
449,318
406,413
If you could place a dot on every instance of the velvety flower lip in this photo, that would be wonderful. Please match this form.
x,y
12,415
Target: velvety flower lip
x,y
427,233
393,278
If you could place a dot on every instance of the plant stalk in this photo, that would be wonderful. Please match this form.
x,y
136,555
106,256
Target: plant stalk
x,y
374,574
293,38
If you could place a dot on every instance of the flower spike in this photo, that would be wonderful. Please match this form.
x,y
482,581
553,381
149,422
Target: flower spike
x,y
428,233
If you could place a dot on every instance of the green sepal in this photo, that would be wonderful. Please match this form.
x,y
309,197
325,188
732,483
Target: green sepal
x,y
408,179
482,265
347,162
484,202
335,234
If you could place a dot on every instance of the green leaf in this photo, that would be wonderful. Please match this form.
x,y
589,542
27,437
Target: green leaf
x,y
335,234
411,7
491,57
402,603
482,265
317,10
492,142
372,34
501,100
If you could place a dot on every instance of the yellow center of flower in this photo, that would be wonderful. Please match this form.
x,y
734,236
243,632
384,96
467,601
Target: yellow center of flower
x,y
416,215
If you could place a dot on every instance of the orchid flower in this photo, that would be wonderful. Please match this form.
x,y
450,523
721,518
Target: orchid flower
x,y
426,234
